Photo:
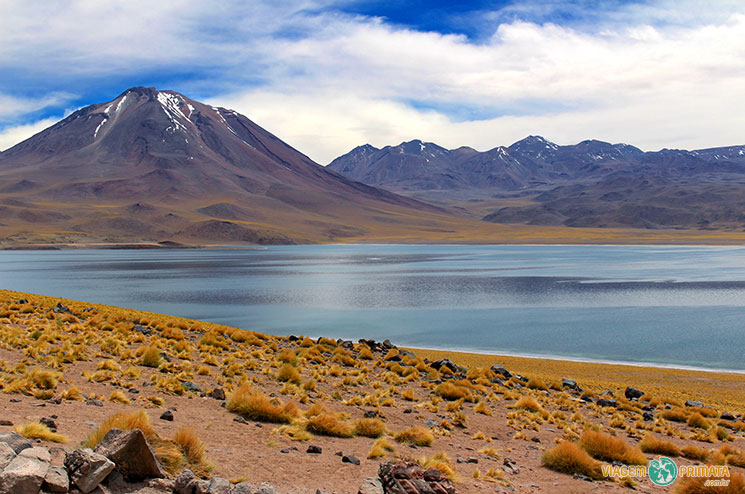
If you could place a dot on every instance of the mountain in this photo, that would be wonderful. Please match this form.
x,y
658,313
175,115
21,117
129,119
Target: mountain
x,y
589,184
156,165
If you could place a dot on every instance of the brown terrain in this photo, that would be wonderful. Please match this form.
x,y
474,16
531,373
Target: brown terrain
x,y
258,402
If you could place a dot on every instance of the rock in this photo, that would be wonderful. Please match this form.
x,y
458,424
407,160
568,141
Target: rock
x,y
60,308
697,404
94,402
157,484
604,402
633,393
50,423
242,488
648,416
409,478
580,476
586,398
56,480
387,345
217,393
571,384
184,482
727,416
395,358
438,364
190,386
265,488
501,371
167,415
240,420
87,469
313,449
38,453
347,345
371,414
432,475
16,441
371,485
219,485
21,301
510,466
7,423
23,475
470,459
142,329
131,453
6,455
607,392
350,459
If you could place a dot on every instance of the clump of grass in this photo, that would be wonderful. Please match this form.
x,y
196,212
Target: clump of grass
x,y
528,403
441,462
72,394
288,356
482,408
654,445
605,447
675,415
698,421
694,453
124,421
295,432
119,397
36,430
255,405
194,451
697,485
567,457
330,424
535,383
369,427
380,449
451,392
417,435
151,357
288,373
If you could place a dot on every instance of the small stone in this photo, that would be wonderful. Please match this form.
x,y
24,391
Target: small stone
x,y
727,416
350,459
265,489
240,420
50,423
94,402
633,393
696,404
7,423
217,394
605,402
219,485
183,481
313,449
167,415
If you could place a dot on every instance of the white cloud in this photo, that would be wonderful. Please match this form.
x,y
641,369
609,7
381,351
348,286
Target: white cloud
x,y
663,74
11,106
11,136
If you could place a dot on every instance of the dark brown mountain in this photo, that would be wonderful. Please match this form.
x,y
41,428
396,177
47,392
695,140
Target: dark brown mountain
x,y
156,165
590,184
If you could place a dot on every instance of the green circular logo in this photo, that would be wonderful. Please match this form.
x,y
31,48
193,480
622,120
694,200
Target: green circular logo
x,y
663,471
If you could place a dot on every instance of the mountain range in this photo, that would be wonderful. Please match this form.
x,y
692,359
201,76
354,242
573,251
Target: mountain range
x,y
158,166
589,184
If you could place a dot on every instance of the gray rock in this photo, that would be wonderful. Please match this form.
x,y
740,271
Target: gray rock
x,y
604,402
633,393
501,371
183,482
87,469
571,384
23,475
692,403
371,485
16,441
242,488
167,415
265,489
132,455
56,480
313,449
217,394
219,485
6,455
350,459
39,453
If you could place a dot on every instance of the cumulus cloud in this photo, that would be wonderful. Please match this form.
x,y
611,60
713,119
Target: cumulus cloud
x,y
654,74
11,136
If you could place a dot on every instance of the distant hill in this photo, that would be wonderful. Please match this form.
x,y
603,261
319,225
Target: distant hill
x,y
590,184
156,165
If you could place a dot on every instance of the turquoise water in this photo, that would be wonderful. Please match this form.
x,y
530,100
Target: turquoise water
x,y
682,306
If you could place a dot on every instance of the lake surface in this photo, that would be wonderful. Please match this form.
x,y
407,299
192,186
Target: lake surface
x,y
664,305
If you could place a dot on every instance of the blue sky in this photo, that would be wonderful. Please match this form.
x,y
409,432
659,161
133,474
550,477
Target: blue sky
x,y
327,75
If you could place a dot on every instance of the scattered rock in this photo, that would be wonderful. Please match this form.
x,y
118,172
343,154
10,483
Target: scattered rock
x,y
727,416
37,453
265,488
580,476
50,423
510,466
61,308
691,403
142,329
131,453
633,393
24,475
242,488
56,480
217,393
371,414
404,477
190,386
167,415
470,459
501,371
586,398
347,345
7,423
371,485
571,384
185,482
604,402
87,469
240,420
648,416
447,363
350,459
94,402
219,485
313,449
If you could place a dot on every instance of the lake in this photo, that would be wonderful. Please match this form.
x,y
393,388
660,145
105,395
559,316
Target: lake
x,y
682,306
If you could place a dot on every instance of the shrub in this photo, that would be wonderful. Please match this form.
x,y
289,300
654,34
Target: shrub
x,y
698,421
194,451
441,462
603,446
330,424
369,427
124,421
119,397
287,356
675,415
694,453
654,445
288,373
451,392
36,430
482,407
417,435
697,485
72,394
535,383
566,457
528,403
380,449
255,405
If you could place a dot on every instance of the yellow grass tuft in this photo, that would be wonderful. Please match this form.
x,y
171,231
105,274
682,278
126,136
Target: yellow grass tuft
x,y
36,430
288,373
566,457
380,449
441,462
124,421
694,453
369,427
606,447
698,421
194,451
255,405
417,435
119,397
330,424
535,383
527,403
654,445
697,485
451,392
73,394
151,357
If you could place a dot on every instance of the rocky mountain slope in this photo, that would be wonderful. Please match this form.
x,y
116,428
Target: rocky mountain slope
x,y
590,184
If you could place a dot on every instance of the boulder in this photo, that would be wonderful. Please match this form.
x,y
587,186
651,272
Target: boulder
x,y
404,477
633,393
350,459
38,453
727,416
604,402
132,455
24,475
217,393
6,455
648,416
167,415
16,441
438,364
242,488
87,469
501,371
692,403
371,485
184,483
571,384
61,308
219,485
56,480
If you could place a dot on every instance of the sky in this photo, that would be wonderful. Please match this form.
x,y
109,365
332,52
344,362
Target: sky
x,y
327,76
